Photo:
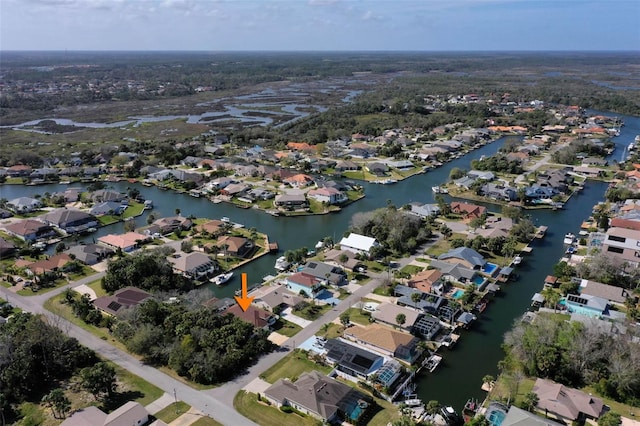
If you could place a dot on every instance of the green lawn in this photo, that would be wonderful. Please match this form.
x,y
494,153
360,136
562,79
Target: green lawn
x,y
313,312
292,366
333,330
27,291
247,404
359,316
286,328
205,421
172,411
146,392
96,285
411,269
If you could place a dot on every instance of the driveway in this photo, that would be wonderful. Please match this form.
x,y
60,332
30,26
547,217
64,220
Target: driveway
x,y
291,317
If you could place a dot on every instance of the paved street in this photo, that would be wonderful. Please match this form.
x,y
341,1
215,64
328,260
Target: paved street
x,y
217,402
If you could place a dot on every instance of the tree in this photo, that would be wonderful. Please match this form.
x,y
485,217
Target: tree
x,y
445,231
401,319
456,173
345,318
99,379
530,401
432,407
415,298
610,418
551,296
58,402
129,225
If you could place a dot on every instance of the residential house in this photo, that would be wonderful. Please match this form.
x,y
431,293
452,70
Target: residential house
x,y
378,169
556,179
259,318
386,313
330,274
468,211
319,396
193,265
424,210
589,171
454,271
299,181
51,264
426,326
167,225
519,417
346,165
274,298
89,254
386,341
481,175
535,192
213,227
429,303
108,207
345,258
565,403
30,230
126,242
23,205
260,194
5,214
358,243
7,249
18,170
400,164
464,182
121,300
129,414
427,281
585,304
70,220
499,192
353,361
292,200
235,189
623,245
328,195
465,256
612,294
235,246
300,283
103,195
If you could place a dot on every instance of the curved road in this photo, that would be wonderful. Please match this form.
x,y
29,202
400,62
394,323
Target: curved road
x,y
216,402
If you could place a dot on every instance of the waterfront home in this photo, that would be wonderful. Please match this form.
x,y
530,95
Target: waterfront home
x,y
194,265
108,207
424,210
167,225
623,245
327,195
121,300
336,256
378,169
351,360
103,195
235,246
591,306
454,272
23,205
518,417
400,164
299,180
89,254
292,200
5,214
259,318
319,396
566,404
386,341
465,256
467,210
18,170
213,227
429,303
347,165
481,175
303,284
30,230
536,192
235,189
43,173
613,294
330,274
70,220
386,313
427,281
126,242
498,191
358,243
589,172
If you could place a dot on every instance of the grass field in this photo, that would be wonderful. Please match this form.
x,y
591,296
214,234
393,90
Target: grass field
x,y
292,366
172,411
359,316
286,328
206,421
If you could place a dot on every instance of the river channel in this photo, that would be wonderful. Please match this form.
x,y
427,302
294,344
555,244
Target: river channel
x,y
459,376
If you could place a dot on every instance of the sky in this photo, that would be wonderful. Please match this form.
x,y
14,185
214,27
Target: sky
x,y
320,25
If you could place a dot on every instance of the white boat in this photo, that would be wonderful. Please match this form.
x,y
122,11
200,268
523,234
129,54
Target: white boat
x,y
517,260
439,190
148,204
432,362
226,219
282,264
569,238
222,278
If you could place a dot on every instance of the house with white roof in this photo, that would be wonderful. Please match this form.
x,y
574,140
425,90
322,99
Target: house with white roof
x,y
358,243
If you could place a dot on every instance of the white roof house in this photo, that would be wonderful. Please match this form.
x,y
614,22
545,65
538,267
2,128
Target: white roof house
x,y
358,243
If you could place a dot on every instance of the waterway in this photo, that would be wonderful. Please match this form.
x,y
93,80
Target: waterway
x,y
459,377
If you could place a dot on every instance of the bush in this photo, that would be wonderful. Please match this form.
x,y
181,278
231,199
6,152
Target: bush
x,y
286,409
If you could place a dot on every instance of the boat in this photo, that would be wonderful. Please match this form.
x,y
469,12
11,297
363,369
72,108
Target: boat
x,y
517,260
222,278
439,190
450,415
282,264
542,230
432,362
470,409
148,204
226,220
569,238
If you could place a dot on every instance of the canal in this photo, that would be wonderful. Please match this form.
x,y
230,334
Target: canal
x,y
459,376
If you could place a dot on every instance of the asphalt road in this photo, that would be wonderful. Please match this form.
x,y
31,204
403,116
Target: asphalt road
x,y
217,402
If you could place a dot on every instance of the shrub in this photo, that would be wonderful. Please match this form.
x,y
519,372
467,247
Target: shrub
x,y
286,409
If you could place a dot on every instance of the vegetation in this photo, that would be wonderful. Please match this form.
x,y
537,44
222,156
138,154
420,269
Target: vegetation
x,y
292,366
172,411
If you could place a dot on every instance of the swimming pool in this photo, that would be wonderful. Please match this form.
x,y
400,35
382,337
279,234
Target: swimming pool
x,y
457,294
496,418
489,268
478,280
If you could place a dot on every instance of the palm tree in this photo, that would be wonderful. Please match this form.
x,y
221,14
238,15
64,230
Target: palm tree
x,y
415,298
551,296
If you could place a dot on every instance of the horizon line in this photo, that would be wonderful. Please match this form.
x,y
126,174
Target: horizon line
x,y
319,51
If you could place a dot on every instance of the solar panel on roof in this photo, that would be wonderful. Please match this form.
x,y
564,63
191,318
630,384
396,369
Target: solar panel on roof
x,y
114,306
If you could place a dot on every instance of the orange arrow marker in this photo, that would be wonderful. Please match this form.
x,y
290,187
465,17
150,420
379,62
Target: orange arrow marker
x,y
244,301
